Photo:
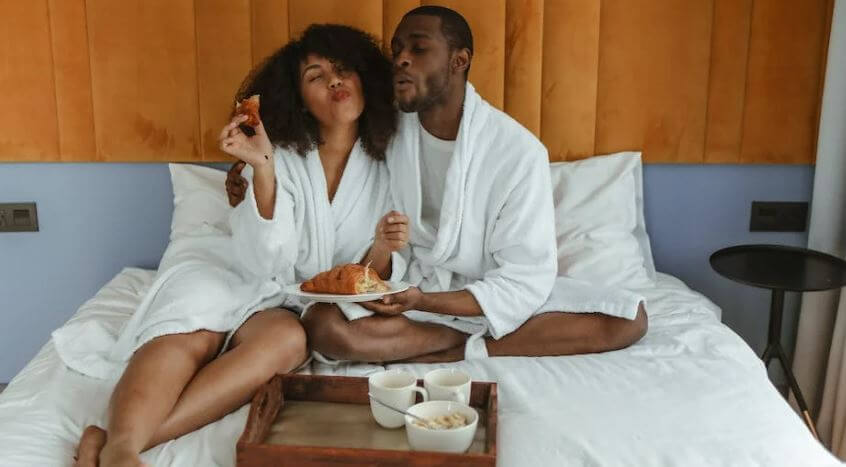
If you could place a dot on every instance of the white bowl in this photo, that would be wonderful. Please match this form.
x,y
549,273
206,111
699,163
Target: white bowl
x,y
450,440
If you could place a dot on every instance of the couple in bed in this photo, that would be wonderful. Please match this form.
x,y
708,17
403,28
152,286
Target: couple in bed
x,y
458,193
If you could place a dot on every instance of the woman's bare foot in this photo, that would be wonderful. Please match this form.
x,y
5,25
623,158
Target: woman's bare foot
x,y
90,444
116,455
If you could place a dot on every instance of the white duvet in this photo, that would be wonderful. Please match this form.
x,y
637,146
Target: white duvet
x,y
690,393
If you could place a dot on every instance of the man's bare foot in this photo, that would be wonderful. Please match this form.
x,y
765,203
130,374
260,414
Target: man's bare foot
x,y
116,455
90,444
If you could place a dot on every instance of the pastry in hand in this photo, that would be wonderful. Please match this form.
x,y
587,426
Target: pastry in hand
x,y
346,279
250,108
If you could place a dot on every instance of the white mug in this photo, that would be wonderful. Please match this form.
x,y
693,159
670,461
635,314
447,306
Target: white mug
x,y
448,384
396,388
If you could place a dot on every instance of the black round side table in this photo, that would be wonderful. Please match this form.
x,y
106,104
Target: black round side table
x,y
781,268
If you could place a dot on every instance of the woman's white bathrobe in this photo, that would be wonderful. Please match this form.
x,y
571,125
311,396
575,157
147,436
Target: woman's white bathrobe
x,y
215,281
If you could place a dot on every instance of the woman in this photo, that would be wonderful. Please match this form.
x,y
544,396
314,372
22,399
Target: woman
x,y
318,189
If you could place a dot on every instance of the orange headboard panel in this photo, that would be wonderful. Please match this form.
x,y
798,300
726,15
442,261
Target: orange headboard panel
x,y
686,81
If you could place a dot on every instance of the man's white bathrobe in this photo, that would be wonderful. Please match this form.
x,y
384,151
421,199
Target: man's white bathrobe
x,y
496,235
213,280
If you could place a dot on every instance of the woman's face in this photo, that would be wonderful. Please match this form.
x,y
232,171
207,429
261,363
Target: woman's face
x,y
331,94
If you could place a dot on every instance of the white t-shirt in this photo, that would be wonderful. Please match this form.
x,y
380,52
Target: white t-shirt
x,y
435,155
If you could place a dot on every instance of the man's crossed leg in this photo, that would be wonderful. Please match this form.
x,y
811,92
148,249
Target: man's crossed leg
x,y
396,338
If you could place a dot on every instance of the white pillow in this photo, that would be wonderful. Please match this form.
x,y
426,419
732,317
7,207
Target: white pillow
x,y
199,199
599,220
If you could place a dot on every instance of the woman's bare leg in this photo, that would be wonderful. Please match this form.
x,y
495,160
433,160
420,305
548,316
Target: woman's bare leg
x,y
271,342
150,388
146,393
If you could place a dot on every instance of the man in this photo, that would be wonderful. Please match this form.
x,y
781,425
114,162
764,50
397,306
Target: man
x,y
482,247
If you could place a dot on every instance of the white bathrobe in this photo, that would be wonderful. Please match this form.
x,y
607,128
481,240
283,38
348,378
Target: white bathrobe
x,y
215,281
307,233
496,237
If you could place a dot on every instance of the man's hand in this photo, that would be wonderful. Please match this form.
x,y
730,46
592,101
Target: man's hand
x,y
391,232
236,185
395,304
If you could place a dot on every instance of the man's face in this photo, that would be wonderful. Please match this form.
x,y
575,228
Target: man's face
x,y
421,57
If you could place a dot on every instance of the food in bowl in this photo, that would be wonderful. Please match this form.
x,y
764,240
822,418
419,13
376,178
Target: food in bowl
x,y
444,422
456,435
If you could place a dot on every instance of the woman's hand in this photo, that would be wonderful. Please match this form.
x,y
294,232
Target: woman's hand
x,y
255,150
391,233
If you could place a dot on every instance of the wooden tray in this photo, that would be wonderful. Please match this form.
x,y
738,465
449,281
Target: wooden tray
x,y
308,420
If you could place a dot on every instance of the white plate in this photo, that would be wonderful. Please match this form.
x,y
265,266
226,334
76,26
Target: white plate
x,y
294,289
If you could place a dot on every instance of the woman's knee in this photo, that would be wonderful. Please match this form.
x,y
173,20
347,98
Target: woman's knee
x,y
201,346
280,345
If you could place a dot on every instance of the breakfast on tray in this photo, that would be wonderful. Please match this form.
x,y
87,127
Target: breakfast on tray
x,y
346,279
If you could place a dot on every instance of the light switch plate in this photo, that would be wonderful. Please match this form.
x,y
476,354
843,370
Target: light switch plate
x,y
18,217
778,216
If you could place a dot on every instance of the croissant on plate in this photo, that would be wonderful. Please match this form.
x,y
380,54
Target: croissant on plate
x,y
346,279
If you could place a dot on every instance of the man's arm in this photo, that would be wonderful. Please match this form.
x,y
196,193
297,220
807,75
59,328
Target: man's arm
x,y
236,184
458,303
522,244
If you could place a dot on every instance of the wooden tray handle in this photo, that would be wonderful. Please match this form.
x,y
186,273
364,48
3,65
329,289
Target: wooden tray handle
x,y
263,410
493,407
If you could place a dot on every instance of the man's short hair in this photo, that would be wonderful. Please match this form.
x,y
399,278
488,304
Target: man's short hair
x,y
453,26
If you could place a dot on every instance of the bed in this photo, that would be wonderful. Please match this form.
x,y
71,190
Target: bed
x,y
690,393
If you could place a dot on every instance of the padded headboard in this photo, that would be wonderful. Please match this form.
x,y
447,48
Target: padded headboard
x,y
686,81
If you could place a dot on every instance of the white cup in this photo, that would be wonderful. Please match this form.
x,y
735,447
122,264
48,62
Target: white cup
x,y
396,388
448,440
448,384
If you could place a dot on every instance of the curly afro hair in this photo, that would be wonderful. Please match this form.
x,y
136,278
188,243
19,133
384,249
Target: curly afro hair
x,y
277,79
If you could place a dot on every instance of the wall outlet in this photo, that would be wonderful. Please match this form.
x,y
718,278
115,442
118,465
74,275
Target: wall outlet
x,y
18,217
778,216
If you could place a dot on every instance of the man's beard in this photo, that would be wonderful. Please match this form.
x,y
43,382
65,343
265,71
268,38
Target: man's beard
x,y
435,95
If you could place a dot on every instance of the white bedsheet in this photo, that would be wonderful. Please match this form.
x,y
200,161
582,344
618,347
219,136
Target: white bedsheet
x,y
690,393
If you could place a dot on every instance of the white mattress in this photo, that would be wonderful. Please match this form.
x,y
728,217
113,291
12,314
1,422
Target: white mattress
x,y
690,393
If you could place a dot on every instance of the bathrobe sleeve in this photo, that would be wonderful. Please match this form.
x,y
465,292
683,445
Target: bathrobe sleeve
x,y
522,243
266,247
